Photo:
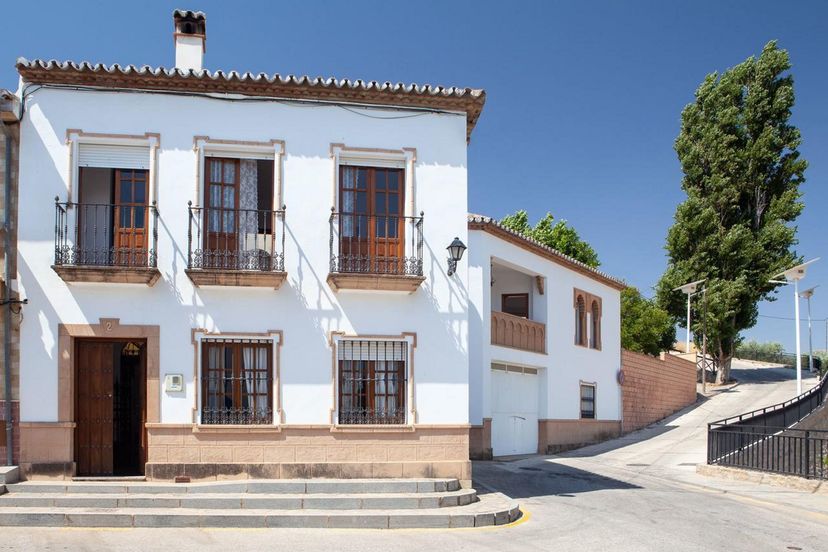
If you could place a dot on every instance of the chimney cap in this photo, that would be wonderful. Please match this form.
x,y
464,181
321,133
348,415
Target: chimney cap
x,y
188,22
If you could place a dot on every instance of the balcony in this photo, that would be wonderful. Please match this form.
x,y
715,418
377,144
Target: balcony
x,y
518,333
376,252
108,243
236,247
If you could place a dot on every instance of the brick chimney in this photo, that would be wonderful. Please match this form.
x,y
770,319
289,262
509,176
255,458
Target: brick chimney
x,y
190,39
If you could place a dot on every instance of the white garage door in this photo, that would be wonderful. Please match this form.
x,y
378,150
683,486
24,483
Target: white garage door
x,y
514,410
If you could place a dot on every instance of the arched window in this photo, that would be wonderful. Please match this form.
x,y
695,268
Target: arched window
x,y
580,320
595,334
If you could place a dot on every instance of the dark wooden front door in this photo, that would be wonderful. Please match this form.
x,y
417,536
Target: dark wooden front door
x,y
110,381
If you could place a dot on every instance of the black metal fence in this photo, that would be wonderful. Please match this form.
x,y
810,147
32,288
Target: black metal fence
x,y
236,239
102,234
764,439
376,244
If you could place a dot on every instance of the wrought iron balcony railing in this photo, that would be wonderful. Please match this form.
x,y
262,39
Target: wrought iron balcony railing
x,y
236,416
376,244
370,416
105,235
236,239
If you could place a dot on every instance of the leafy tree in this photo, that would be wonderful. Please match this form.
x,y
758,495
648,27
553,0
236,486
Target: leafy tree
x,y
645,327
742,173
557,235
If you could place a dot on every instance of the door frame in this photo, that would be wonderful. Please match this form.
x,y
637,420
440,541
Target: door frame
x,y
142,392
106,328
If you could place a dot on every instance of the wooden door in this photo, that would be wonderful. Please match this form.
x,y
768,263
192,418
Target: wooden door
x,y
388,229
130,217
371,225
221,204
94,374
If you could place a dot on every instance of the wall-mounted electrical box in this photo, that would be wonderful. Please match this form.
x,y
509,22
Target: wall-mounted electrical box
x,y
174,383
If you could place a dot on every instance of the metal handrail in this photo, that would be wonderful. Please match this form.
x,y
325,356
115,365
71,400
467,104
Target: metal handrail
x,y
821,387
236,239
376,244
88,237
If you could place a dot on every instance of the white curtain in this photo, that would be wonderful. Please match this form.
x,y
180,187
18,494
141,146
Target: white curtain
x,y
348,200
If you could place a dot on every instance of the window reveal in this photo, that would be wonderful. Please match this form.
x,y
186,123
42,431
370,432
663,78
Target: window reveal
x,y
372,382
237,381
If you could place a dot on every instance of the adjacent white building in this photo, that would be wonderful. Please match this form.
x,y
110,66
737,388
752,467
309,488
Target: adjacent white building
x,y
545,349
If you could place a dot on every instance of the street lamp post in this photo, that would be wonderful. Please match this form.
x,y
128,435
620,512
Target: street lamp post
x,y
690,291
794,275
807,294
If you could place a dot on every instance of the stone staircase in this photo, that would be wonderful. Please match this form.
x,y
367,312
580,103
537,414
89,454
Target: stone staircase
x,y
334,503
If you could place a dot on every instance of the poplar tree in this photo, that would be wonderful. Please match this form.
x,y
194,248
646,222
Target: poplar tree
x,y
742,173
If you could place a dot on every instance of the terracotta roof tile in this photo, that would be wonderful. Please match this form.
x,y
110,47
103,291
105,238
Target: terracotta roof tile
x,y
483,222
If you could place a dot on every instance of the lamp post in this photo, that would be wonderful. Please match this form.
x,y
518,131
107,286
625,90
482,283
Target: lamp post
x,y
690,291
807,294
794,275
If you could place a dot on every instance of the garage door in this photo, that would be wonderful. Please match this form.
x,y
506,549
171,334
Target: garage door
x,y
514,410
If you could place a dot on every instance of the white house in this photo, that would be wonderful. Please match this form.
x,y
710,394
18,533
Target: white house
x,y
238,275
235,274
544,346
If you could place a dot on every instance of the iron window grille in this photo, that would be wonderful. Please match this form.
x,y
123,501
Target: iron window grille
x,y
372,382
587,401
237,381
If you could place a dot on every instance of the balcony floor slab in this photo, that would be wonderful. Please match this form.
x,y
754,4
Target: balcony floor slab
x,y
108,274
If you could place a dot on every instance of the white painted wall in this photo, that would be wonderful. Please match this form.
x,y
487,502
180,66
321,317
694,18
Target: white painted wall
x,y
565,365
305,308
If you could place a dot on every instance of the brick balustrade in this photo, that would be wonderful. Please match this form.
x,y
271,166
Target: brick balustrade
x,y
517,332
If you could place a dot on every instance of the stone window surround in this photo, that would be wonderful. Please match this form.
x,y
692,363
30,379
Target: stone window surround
x,y
404,158
76,136
277,339
588,298
411,338
204,146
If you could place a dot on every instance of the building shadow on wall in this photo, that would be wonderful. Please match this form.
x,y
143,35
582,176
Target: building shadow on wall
x,y
540,479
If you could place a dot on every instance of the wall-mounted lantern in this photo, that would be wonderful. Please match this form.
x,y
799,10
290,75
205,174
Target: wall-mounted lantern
x,y
456,250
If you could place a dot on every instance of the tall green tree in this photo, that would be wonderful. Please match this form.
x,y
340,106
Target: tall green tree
x,y
645,327
742,172
557,235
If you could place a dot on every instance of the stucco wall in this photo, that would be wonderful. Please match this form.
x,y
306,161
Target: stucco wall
x,y
565,365
654,387
305,308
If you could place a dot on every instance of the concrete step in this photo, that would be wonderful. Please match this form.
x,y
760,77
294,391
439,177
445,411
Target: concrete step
x,y
491,509
235,501
257,486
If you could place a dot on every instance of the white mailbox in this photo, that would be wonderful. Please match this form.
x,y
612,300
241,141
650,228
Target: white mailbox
x,y
174,383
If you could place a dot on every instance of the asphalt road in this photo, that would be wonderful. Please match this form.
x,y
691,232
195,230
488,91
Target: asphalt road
x,y
636,493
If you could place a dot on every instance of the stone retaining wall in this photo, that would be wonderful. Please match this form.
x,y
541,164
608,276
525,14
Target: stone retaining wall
x,y
654,388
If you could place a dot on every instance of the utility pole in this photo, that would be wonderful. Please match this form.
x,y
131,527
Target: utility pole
x,y
704,341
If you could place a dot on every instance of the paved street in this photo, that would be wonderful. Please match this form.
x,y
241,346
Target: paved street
x,y
639,492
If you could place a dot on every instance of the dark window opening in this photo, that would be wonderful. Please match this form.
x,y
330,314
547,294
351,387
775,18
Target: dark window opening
x,y
516,304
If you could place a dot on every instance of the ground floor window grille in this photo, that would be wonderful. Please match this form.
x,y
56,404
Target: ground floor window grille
x,y
372,377
587,401
237,381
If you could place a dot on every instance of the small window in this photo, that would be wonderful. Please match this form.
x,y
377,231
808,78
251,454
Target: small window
x,y
372,382
595,322
587,401
580,321
237,381
516,304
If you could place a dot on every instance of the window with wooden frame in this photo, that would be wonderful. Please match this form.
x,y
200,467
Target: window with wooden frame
x,y
372,225
516,304
588,401
236,381
372,381
595,324
580,320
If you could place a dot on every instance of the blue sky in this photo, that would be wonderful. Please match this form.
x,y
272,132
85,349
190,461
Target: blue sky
x,y
584,98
